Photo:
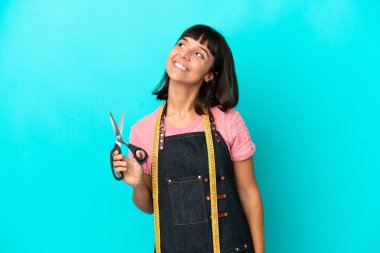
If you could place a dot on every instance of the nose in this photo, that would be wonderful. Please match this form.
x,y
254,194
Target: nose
x,y
185,53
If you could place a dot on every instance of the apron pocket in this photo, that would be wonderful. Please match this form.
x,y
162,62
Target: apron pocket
x,y
187,200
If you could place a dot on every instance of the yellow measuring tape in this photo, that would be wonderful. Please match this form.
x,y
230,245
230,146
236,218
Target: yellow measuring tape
x,y
212,175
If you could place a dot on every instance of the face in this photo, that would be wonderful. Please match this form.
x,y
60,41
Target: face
x,y
190,62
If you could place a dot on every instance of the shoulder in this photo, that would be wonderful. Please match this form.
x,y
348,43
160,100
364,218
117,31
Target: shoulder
x,y
227,117
147,123
231,124
227,122
235,132
142,134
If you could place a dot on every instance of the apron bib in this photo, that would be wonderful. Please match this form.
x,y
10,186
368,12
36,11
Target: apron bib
x,y
184,181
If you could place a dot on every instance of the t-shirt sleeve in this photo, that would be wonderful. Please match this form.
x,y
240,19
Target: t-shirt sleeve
x,y
241,144
135,140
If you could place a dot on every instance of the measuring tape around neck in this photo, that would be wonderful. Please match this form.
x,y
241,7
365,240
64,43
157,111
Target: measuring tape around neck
x,y
212,176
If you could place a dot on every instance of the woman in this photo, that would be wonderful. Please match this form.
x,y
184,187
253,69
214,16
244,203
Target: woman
x,y
200,90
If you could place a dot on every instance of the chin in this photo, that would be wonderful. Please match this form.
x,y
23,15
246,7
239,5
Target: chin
x,y
174,75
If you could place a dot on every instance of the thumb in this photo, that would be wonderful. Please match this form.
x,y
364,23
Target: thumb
x,y
140,154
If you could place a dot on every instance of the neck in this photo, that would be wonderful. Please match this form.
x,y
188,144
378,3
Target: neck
x,y
181,99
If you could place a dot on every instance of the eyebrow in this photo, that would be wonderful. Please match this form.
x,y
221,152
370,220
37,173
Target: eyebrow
x,y
199,47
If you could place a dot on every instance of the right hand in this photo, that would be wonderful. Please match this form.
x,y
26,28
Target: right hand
x,y
133,171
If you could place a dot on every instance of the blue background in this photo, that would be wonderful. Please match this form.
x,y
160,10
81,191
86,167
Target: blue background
x,y
308,75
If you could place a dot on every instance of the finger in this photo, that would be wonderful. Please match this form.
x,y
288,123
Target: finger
x,y
140,154
119,164
116,152
117,157
119,169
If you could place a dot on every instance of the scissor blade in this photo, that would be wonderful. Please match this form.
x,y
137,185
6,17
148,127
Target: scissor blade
x,y
121,123
114,125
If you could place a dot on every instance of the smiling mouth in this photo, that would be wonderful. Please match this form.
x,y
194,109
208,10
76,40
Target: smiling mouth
x,y
180,67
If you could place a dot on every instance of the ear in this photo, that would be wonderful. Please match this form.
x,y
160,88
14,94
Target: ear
x,y
209,77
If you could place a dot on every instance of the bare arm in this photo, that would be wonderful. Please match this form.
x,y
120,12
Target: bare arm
x,y
142,195
250,198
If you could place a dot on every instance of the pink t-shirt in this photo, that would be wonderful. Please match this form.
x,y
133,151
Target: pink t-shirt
x,y
230,124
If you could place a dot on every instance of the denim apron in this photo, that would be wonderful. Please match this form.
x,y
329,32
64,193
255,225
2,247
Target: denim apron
x,y
184,197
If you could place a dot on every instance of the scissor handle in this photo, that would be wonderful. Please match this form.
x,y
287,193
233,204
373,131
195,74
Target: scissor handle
x,y
134,150
116,147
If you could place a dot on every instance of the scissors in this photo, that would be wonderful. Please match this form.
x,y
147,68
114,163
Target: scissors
x,y
120,141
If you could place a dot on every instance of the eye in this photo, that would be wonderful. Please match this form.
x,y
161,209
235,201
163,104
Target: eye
x,y
200,55
180,43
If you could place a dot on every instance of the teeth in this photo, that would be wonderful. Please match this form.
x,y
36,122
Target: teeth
x,y
179,66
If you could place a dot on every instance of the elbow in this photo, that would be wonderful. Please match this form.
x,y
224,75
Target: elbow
x,y
250,194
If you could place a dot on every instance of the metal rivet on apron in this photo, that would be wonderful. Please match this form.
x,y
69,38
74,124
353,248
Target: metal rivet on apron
x,y
237,248
219,196
206,179
199,176
169,180
245,245
222,178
